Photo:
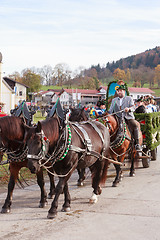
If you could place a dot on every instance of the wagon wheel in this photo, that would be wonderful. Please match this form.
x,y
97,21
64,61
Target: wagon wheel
x,y
146,161
154,154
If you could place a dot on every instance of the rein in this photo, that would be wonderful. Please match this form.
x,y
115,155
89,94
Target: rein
x,y
62,148
116,144
19,157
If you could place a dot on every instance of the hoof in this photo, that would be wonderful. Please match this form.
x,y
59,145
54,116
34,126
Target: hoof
x,y
66,209
5,210
120,180
43,205
132,174
50,196
51,215
114,184
93,199
80,184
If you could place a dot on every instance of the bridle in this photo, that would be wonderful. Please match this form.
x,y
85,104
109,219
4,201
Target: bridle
x,y
109,126
44,148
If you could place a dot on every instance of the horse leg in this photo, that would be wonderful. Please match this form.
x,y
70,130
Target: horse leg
x,y
58,190
132,168
40,181
52,186
119,175
14,170
81,173
96,170
66,206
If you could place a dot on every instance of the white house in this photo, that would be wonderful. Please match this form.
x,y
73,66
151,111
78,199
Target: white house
x,y
136,93
12,93
64,97
43,96
51,96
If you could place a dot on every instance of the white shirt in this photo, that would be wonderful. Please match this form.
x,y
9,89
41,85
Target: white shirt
x,y
120,101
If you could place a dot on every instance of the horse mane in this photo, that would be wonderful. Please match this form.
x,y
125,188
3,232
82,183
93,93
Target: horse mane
x,y
12,127
50,127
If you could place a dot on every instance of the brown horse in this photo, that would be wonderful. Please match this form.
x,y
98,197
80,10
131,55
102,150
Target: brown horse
x,y
121,145
12,133
69,147
79,115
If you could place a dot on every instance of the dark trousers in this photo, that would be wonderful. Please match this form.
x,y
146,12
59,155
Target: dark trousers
x,y
132,124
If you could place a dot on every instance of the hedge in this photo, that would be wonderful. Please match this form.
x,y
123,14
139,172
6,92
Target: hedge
x,y
150,127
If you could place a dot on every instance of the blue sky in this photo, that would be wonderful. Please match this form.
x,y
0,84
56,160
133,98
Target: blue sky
x,y
75,32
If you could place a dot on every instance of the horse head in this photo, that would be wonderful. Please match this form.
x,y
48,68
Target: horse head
x,y
41,140
38,145
111,123
78,115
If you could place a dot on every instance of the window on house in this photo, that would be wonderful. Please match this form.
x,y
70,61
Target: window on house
x,y
20,93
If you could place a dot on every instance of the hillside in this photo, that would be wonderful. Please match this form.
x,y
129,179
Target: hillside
x,y
149,58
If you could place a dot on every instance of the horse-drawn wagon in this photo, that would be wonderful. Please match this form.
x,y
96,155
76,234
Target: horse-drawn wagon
x,y
149,123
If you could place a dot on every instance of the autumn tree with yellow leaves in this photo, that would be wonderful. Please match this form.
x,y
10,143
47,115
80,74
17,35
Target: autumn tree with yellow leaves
x,y
120,74
157,75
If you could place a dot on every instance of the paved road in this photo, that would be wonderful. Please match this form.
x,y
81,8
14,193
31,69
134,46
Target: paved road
x,y
130,211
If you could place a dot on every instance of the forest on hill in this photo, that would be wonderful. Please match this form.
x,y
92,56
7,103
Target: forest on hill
x,y
141,68
136,70
149,58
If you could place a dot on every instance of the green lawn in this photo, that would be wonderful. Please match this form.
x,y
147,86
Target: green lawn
x,y
38,117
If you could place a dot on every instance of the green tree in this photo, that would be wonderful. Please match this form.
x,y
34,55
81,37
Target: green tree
x,y
32,80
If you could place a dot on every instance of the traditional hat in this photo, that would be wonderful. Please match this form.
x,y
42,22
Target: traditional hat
x,y
122,87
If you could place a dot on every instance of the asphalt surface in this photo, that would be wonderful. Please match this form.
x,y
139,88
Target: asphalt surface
x,y
129,211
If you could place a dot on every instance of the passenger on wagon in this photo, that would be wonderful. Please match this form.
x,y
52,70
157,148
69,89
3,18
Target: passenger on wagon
x,y
123,107
150,104
101,107
140,106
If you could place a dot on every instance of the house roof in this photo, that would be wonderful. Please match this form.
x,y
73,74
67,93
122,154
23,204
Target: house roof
x,y
140,90
55,90
43,92
134,90
6,84
82,91
11,82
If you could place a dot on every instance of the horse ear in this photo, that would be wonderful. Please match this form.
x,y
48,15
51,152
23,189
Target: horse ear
x,y
39,127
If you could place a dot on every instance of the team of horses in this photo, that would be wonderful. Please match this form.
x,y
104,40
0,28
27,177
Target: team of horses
x,y
62,146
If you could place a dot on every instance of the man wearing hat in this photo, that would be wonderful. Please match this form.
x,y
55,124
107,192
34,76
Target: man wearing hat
x,y
140,106
123,107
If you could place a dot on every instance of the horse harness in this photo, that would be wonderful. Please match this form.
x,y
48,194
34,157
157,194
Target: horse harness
x,y
64,144
121,135
18,155
86,140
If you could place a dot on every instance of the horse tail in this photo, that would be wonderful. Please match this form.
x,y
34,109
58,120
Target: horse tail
x,y
104,173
